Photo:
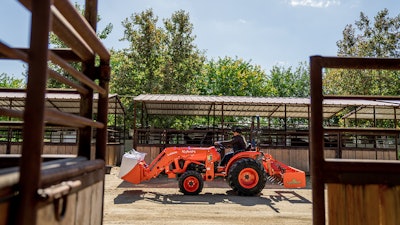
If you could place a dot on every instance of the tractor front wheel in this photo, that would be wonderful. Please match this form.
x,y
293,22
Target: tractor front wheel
x,y
191,183
247,177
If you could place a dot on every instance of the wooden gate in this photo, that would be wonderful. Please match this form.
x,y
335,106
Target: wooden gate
x,y
65,191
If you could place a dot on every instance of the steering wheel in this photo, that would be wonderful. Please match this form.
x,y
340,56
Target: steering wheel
x,y
220,148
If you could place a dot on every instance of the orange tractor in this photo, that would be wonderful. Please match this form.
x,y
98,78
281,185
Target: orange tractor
x,y
246,172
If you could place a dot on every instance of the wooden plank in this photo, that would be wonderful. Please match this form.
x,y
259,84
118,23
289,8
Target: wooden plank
x,y
336,204
96,215
388,201
3,149
46,215
16,149
83,205
329,154
355,205
367,154
155,151
70,150
371,204
4,211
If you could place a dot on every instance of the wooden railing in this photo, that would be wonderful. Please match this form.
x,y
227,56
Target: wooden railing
x,y
358,191
21,201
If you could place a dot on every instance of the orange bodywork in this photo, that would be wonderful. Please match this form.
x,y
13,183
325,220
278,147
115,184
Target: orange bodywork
x,y
290,177
175,160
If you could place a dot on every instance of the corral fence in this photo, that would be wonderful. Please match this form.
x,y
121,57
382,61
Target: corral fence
x,y
290,146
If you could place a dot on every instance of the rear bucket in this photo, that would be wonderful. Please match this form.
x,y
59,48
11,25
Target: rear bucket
x,y
294,179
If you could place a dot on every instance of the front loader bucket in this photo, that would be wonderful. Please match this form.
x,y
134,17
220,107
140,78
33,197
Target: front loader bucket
x,y
136,174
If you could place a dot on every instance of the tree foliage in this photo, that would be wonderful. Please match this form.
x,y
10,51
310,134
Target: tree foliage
x,y
10,82
378,38
232,77
159,60
285,82
183,61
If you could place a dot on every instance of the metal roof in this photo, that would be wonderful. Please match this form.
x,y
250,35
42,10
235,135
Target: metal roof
x,y
63,100
277,107
388,110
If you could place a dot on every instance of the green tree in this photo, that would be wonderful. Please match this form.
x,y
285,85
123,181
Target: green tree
x,y
183,62
232,77
158,60
285,82
378,38
144,55
10,82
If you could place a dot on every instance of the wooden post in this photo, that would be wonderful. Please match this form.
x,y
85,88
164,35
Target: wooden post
x,y
33,129
316,142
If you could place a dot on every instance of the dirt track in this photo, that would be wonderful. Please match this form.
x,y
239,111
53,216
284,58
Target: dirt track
x,y
159,202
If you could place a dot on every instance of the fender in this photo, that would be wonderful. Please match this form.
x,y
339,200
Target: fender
x,y
240,155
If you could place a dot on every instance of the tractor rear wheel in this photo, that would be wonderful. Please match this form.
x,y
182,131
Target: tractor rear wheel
x,y
247,177
191,183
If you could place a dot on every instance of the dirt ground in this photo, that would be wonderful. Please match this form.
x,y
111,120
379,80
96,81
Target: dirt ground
x,y
159,202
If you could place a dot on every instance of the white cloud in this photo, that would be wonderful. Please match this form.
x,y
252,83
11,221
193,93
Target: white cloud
x,y
314,3
243,21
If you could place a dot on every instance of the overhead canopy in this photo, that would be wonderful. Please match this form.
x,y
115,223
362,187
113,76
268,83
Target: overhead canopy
x,y
61,99
388,110
192,105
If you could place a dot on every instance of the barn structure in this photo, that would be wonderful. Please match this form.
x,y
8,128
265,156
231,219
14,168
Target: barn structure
x,y
279,126
59,141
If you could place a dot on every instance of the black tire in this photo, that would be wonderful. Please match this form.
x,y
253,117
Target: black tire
x,y
247,177
191,183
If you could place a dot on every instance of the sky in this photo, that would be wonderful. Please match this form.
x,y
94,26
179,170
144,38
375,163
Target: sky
x,y
265,32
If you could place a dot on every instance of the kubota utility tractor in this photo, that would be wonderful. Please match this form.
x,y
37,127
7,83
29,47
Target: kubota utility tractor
x,y
246,172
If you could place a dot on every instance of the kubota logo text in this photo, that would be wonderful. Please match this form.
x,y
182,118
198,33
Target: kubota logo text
x,y
294,181
188,151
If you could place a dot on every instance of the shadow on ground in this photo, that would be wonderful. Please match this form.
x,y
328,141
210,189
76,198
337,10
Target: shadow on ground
x,y
230,197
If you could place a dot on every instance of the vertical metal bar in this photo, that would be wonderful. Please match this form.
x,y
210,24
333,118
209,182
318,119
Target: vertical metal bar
x,y
286,133
374,116
316,144
33,128
9,129
397,134
223,120
124,135
339,136
142,116
134,135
